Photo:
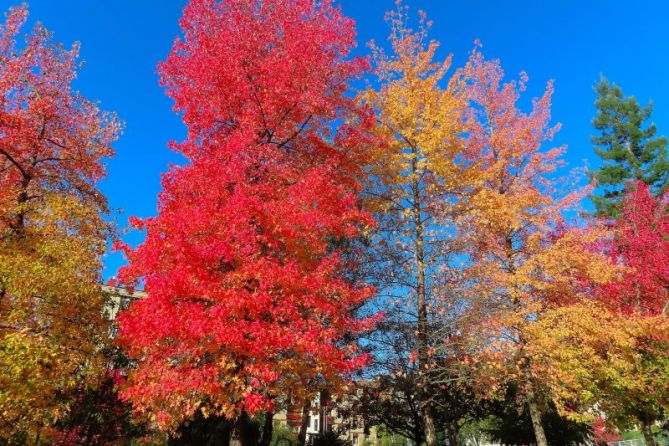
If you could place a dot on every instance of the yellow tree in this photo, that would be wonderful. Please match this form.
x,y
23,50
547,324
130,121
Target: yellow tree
x,y
52,233
613,354
524,259
414,178
595,359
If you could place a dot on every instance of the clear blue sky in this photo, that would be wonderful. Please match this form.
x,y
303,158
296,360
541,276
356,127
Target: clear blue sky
x,y
566,40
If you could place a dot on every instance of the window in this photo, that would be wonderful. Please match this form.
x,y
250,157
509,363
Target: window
x,y
316,423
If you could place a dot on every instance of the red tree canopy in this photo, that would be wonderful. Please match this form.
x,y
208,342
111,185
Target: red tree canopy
x,y
52,140
641,244
246,284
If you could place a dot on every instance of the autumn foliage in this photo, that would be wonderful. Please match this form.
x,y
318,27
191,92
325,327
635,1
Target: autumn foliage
x,y
641,245
524,258
52,234
247,298
640,298
412,179
427,212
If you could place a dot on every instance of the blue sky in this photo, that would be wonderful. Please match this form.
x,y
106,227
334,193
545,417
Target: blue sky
x,y
569,41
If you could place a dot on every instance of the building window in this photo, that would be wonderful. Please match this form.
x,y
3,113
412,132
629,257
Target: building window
x,y
316,424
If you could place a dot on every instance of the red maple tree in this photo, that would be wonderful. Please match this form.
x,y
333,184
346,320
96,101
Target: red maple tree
x,y
246,282
641,245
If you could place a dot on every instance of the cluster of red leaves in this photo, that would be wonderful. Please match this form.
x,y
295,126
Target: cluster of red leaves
x,y
641,245
246,286
52,139
602,433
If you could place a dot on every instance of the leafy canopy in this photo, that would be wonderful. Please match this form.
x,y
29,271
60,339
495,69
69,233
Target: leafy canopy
x,y
247,294
52,234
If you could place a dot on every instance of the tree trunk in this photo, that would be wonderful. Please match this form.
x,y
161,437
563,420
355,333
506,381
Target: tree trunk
x,y
267,429
302,435
452,432
239,432
647,430
429,427
421,307
20,219
418,432
535,415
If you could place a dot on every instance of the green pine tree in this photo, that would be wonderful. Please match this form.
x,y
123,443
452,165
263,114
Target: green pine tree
x,y
629,151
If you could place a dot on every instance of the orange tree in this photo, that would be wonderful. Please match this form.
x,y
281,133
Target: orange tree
x,y
413,180
523,258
